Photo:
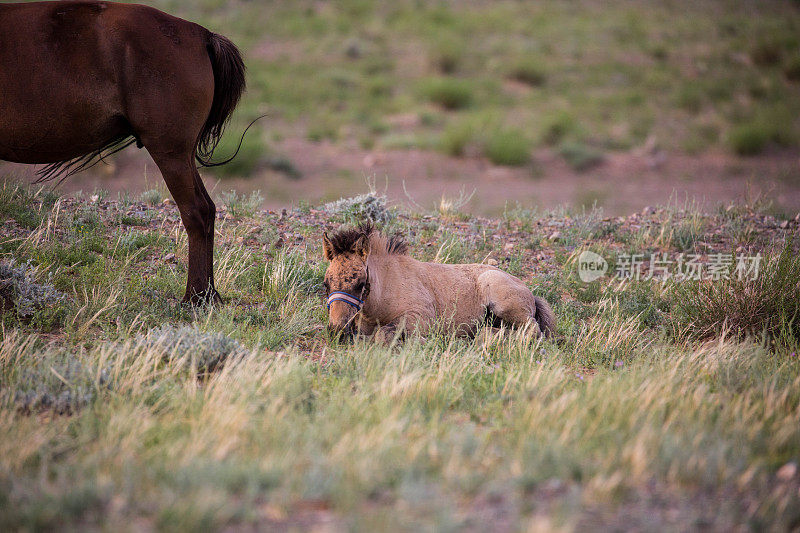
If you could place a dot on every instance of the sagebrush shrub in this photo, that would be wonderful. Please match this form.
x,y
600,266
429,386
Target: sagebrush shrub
x,y
19,290
188,345
62,385
371,206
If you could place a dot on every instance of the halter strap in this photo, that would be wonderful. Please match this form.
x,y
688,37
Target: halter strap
x,y
339,296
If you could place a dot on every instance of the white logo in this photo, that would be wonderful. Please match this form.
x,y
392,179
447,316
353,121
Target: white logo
x,y
591,266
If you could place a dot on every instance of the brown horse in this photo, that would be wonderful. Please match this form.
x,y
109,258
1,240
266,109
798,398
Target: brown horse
x,y
373,286
80,80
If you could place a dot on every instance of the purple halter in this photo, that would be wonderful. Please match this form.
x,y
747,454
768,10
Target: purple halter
x,y
339,296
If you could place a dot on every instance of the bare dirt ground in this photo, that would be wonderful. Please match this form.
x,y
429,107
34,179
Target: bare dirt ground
x,y
622,183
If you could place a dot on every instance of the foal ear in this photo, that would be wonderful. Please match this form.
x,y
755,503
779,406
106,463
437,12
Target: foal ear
x,y
327,247
361,246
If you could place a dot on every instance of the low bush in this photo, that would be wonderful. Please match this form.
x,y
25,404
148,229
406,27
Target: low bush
x,y
768,304
369,206
530,72
754,137
580,156
187,345
508,147
456,137
152,196
19,290
749,139
791,68
61,384
450,93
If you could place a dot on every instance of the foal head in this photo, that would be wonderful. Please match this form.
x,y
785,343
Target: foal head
x,y
347,277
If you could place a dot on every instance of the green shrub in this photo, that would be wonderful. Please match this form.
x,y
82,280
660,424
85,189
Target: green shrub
x,y
686,233
749,139
530,72
508,147
284,165
450,93
557,127
766,52
323,129
134,240
580,156
448,54
690,97
456,137
791,69
743,306
753,137
18,203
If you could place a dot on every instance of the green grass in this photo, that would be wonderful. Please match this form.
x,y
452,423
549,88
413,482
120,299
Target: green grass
x,y
119,406
508,147
22,205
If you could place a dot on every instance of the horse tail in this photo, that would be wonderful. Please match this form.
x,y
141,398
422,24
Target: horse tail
x,y
229,84
545,317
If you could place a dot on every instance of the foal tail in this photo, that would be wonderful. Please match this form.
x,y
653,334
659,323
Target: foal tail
x,y
545,317
228,66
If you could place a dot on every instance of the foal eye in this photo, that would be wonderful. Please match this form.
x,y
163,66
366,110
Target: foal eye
x,y
360,286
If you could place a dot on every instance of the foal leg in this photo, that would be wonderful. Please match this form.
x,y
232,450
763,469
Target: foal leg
x,y
197,213
509,300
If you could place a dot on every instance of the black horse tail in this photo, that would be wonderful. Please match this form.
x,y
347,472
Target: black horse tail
x,y
229,84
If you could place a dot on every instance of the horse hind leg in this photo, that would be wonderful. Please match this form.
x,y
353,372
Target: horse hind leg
x,y
197,214
211,209
509,302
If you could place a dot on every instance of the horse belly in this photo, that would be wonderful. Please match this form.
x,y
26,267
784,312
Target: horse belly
x,y
62,134
59,97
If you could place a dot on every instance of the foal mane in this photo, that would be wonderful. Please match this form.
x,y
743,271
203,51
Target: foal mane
x,y
344,240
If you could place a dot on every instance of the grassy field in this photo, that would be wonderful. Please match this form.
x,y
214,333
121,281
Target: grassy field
x,y
500,79
660,406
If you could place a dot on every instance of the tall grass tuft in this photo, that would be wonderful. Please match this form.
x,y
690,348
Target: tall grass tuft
x,y
768,305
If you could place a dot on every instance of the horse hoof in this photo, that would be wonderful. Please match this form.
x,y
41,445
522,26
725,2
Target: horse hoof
x,y
202,299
